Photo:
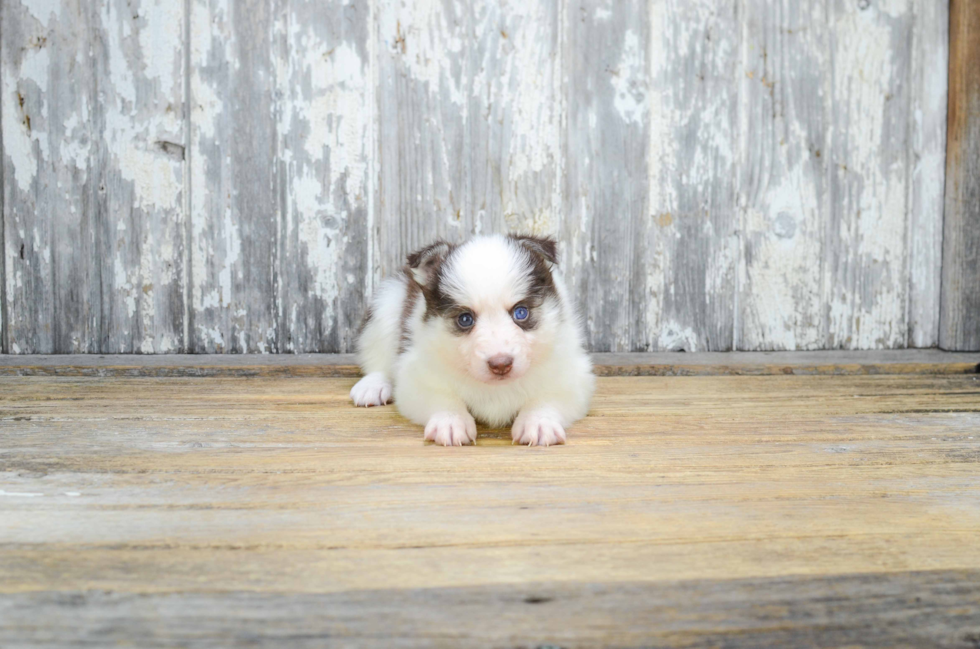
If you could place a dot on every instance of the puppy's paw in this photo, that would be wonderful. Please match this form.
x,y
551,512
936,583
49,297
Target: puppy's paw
x,y
541,427
373,390
451,429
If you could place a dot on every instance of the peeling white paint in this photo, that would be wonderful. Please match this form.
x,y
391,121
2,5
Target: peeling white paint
x,y
421,34
874,207
829,155
629,81
892,8
780,262
76,147
210,337
161,51
42,10
207,107
209,24
146,290
334,106
210,300
336,112
690,157
124,286
929,89
781,298
525,97
156,180
233,252
317,240
132,137
500,70
675,337
19,138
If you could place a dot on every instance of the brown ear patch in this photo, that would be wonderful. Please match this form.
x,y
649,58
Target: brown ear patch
x,y
424,270
412,293
543,257
424,264
544,247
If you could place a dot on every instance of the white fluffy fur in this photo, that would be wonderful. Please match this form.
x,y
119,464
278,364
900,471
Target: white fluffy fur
x,y
442,380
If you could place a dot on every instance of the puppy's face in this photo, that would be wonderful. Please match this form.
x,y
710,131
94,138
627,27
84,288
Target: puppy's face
x,y
492,305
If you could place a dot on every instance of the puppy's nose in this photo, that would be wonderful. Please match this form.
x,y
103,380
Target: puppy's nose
x,y
500,364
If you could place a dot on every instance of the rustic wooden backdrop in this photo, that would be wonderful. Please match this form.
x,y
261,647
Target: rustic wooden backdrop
x,y
237,175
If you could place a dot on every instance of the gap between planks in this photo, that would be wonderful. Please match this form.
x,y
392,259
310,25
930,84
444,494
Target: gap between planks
x,y
840,363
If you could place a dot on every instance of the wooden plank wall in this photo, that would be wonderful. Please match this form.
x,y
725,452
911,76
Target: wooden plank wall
x,y
960,315
93,175
237,175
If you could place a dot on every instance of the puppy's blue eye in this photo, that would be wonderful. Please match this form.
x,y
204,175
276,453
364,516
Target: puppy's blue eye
x,y
465,320
520,313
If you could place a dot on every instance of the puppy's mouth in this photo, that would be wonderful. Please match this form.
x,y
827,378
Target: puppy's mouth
x,y
492,378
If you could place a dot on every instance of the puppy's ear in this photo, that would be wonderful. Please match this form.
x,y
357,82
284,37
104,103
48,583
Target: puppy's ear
x,y
424,264
544,247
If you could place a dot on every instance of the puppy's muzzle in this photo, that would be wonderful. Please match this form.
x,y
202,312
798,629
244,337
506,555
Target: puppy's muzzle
x,y
500,364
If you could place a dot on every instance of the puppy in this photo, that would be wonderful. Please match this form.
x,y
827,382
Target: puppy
x,y
479,331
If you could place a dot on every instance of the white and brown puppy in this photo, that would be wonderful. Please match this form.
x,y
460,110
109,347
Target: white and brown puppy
x,y
480,330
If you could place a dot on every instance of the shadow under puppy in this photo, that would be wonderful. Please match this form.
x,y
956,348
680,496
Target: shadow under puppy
x,y
479,330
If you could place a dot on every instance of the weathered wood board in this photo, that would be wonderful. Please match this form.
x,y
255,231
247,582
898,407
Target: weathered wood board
x,y
960,317
784,183
685,241
92,112
883,610
685,511
233,161
469,113
422,98
842,157
326,173
927,160
606,79
222,176
838,363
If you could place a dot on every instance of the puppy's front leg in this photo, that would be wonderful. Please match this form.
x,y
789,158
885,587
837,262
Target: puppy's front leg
x,y
445,417
372,390
451,428
540,425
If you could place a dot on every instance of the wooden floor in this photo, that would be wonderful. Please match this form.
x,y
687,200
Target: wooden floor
x,y
736,511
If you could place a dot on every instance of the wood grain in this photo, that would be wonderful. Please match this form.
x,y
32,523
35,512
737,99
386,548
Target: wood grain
x,y
918,361
514,111
606,82
884,610
93,176
325,165
4,338
960,323
927,156
783,184
469,115
865,232
233,163
141,252
682,245
802,510
840,247
51,234
755,175
423,91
